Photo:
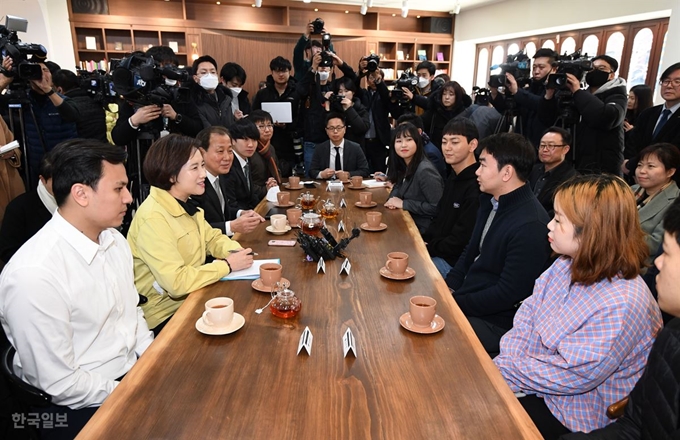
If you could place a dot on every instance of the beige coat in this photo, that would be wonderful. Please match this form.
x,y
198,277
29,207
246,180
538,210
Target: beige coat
x,y
11,184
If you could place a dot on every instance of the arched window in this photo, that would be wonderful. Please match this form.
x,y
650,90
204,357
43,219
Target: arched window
x,y
530,49
658,74
639,58
590,45
482,67
615,46
549,44
498,57
513,49
568,46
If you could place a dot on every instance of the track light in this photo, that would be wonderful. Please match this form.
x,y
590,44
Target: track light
x,y
306,1
258,3
404,9
364,9
369,3
456,8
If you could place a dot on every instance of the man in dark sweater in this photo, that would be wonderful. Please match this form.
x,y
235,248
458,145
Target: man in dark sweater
x,y
509,246
452,227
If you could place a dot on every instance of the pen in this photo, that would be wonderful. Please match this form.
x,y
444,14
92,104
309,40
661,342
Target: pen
x,y
239,250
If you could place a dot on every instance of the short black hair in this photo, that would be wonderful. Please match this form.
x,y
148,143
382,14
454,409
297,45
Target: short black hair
x,y
511,149
668,154
566,136
46,166
461,127
163,55
609,60
203,59
233,70
411,118
65,79
260,116
336,115
52,66
244,128
279,63
81,161
165,159
544,52
672,68
203,136
431,68
671,220
347,83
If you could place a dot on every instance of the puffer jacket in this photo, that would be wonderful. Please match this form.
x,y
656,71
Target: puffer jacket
x,y
212,112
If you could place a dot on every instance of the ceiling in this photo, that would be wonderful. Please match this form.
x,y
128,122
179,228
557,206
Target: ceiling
x,y
421,5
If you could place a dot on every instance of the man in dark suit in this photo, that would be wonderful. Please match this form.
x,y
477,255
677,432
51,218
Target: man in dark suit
x,y
657,124
242,191
345,155
215,144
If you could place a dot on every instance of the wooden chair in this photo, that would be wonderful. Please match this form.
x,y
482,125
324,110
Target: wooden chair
x,y
616,409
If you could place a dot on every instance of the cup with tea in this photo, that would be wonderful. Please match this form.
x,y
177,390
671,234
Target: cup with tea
x,y
397,262
422,310
373,219
283,198
294,182
219,312
365,198
294,215
342,176
357,181
270,274
278,222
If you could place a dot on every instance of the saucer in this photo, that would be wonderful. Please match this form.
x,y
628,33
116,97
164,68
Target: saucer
x,y
436,325
287,185
272,231
236,324
408,274
359,205
350,186
257,285
287,205
365,227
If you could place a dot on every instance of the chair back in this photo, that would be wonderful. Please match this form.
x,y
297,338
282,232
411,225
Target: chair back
x,y
23,392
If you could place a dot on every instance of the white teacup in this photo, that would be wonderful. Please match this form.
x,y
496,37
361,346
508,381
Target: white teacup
x,y
278,222
219,312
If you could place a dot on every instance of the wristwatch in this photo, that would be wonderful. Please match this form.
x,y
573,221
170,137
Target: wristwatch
x,y
50,93
178,118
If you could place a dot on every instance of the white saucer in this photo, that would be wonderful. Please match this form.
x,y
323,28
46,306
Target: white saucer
x,y
272,231
236,324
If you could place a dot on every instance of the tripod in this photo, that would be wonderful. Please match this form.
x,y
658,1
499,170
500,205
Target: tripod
x,y
510,118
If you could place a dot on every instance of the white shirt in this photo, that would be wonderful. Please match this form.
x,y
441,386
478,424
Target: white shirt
x,y
69,307
227,225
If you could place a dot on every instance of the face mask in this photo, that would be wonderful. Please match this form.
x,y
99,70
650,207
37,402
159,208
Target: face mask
x,y
323,76
209,81
423,82
170,82
597,78
235,90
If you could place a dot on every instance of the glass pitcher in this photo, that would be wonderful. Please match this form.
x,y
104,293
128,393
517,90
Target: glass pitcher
x,y
285,304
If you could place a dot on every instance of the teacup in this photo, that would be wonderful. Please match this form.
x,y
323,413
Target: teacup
x,y
373,219
357,181
294,181
278,222
397,262
270,274
365,197
283,198
294,216
219,312
343,176
422,310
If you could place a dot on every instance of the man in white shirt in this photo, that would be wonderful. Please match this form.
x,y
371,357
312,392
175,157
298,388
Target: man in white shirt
x,y
68,302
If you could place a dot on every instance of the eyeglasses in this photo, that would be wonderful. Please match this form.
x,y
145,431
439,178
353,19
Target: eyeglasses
x,y
265,127
550,147
670,82
338,128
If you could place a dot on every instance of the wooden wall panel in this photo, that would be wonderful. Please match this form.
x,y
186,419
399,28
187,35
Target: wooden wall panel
x,y
158,8
231,15
408,24
300,18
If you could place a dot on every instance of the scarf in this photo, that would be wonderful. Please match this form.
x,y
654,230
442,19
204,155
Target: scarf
x,y
263,150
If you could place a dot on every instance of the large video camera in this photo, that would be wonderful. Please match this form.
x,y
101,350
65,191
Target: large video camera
x,y
11,46
576,64
326,57
327,247
407,80
482,95
98,85
141,80
517,65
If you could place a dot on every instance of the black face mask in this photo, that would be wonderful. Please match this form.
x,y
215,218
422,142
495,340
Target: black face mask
x,y
597,78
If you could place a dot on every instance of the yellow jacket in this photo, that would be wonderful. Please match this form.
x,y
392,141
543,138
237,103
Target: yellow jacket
x,y
169,248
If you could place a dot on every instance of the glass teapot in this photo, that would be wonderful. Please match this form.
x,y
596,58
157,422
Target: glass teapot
x,y
311,223
328,210
306,201
285,304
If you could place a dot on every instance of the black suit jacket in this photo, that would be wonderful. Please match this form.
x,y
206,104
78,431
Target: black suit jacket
x,y
24,216
211,205
641,135
353,159
559,174
237,192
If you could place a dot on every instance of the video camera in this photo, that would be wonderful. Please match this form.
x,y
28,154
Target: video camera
x,y
11,46
482,95
98,85
141,80
318,25
372,62
576,64
327,247
410,82
326,57
517,65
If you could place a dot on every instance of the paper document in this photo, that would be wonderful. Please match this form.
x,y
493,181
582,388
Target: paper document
x,y
9,147
252,273
281,111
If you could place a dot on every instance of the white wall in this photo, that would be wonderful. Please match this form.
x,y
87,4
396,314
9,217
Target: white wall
x,y
520,18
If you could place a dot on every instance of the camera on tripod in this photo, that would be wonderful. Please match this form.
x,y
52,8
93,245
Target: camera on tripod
x,y
482,95
517,65
576,64
98,85
407,80
11,46
326,57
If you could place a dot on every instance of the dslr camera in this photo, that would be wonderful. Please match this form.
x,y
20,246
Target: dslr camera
x,y
11,46
482,95
326,57
410,82
318,25
373,62
517,65
576,64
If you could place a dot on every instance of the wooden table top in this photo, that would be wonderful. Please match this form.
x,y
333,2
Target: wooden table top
x,y
251,384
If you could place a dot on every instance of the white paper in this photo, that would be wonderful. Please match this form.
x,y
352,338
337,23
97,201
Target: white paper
x,y
91,43
346,266
306,341
174,46
321,266
271,194
281,111
9,147
252,273
349,343
372,183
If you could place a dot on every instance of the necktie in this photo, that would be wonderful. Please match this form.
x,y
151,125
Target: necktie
x,y
338,164
662,121
246,172
218,190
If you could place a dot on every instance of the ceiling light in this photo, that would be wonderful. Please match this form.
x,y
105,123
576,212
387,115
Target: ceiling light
x,y
316,9
369,3
346,12
364,9
258,3
394,15
417,16
456,8
404,9
306,1
218,3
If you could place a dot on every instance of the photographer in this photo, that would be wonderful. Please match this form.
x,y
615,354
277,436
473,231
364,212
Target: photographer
x,y
91,122
528,99
306,48
356,114
445,104
376,98
233,77
602,106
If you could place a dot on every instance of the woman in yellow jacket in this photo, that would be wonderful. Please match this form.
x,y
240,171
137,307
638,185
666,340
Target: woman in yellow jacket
x,y
169,236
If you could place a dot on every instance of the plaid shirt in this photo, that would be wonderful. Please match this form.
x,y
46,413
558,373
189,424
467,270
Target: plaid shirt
x,y
579,347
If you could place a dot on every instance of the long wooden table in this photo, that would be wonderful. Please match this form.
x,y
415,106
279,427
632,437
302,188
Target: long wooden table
x,y
252,385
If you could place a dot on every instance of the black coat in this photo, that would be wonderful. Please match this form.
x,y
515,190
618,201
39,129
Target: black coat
x,y
91,121
528,101
212,112
213,212
378,105
555,177
237,192
641,134
24,216
436,117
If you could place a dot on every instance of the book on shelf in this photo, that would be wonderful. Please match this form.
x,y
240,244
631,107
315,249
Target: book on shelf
x,y
400,54
441,71
91,43
422,55
440,56
92,65
389,73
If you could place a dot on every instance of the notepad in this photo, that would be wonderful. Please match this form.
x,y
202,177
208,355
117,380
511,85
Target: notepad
x,y
281,111
252,273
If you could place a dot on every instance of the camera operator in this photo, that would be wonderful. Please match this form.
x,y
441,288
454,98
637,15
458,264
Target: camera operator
x,y
91,122
233,77
602,106
528,99
55,116
213,103
306,48
376,98
356,115
425,72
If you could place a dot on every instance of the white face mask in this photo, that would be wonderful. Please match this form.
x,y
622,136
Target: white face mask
x,y
170,82
235,90
323,76
423,82
209,81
